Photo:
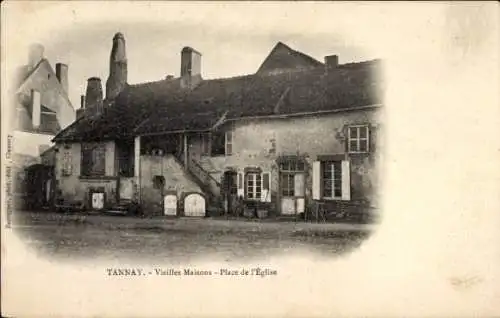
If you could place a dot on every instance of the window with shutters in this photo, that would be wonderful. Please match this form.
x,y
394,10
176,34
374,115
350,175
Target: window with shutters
x,y
67,165
358,139
253,186
332,179
93,159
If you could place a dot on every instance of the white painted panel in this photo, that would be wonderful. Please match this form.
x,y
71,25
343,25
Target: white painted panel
x,y
241,184
194,205
316,180
137,156
126,188
346,180
288,206
299,184
300,205
36,107
170,205
97,200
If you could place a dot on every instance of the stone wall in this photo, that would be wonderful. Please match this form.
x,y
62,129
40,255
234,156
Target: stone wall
x,y
175,180
74,187
258,143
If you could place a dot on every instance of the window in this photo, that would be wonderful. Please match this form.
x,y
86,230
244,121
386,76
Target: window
x,y
253,186
332,179
67,163
292,177
358,139
48,121
218,143
93,159
229,143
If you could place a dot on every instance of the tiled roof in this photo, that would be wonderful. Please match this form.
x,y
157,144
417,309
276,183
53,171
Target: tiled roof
x,y
282,57
163,106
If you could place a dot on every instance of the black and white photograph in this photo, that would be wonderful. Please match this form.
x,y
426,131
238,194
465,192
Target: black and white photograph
x,y
158,146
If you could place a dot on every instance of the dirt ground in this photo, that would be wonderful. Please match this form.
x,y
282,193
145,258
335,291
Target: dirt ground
x,y
87,237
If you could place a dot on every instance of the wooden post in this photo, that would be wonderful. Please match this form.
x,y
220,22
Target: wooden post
x,y
137,165
185,150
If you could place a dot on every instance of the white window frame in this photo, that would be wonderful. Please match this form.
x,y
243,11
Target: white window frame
x,y
256,187
228,136
332,179
358,138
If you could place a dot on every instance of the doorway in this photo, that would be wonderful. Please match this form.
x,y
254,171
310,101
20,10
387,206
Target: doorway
x,y
292,186
230,190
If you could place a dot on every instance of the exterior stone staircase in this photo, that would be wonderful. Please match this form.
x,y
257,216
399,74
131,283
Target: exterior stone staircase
x,y
210,186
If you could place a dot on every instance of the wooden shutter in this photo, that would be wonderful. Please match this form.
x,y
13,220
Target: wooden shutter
x,y
241,189
346,180
266,187
316,180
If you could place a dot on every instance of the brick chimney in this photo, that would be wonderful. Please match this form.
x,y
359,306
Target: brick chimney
x,y
35,108
35,55
62,75
93,96
81,111
331,61
190,68
117,67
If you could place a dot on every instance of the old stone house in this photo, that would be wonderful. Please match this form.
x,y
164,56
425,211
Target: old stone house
x,y
295,133
41,108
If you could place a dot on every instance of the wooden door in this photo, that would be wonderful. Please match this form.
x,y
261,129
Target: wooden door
x,y
170,205
194,205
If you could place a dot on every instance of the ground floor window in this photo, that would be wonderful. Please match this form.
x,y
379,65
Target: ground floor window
x,y
332,179
253,185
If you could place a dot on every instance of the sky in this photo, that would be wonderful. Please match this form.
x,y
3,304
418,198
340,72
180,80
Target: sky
x,y
232,41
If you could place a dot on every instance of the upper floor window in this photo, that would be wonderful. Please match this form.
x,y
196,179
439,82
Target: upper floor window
x,y
93,159
358,139
222,142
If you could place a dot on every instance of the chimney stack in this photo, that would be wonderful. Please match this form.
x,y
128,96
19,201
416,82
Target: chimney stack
x,y
93,96
331,61
36,52
117,67
190,67
62,75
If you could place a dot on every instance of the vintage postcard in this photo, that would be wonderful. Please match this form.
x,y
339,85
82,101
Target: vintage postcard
x,y
257,159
